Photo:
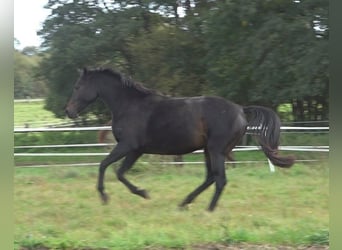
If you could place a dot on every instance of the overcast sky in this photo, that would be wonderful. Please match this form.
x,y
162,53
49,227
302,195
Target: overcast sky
x,y
28,18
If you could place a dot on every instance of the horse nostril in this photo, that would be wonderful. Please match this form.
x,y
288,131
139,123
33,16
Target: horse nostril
x,y
67,112
71,113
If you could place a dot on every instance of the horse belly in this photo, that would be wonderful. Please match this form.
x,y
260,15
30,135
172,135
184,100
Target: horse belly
x,y
177,137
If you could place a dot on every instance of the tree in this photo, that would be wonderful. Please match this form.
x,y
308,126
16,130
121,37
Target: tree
x,y
72,40
269,53
97,33
27,84
249,51
169,59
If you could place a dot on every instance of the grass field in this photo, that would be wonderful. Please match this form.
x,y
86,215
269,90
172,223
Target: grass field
x,y
33,114
59,208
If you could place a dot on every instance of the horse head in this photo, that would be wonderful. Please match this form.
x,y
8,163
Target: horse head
x,y
84,93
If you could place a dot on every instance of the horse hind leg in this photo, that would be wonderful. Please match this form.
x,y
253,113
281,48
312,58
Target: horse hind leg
x,y
218,152
230,158
235,140
207,182
218,169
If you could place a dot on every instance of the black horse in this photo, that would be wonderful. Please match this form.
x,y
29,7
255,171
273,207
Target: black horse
x,y
145,121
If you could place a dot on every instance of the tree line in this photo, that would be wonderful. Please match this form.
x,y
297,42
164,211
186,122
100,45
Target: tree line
x,y
27,83
249,51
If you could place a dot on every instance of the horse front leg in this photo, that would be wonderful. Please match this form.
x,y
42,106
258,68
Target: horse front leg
x,y
128,162
117,153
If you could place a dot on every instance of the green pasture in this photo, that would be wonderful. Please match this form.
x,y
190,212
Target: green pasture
x,y
32,114
59,208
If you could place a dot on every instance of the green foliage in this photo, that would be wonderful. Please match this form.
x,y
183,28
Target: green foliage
x,y
26,82
320,237
157,65
92,40
253,52
267,52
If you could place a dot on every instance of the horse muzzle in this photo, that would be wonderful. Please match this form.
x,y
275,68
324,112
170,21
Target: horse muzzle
x,y
71,111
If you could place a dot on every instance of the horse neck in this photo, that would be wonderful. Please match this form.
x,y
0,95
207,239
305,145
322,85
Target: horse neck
x,y
117,96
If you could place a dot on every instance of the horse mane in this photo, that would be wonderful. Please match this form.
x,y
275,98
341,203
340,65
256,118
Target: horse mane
x,y
124,80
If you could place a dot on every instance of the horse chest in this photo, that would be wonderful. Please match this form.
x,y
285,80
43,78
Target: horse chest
x,y
128,130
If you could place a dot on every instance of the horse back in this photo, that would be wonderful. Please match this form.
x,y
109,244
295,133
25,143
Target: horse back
x,y
182,125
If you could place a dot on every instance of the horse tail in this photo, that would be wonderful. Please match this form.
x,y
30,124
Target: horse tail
x,y
264,123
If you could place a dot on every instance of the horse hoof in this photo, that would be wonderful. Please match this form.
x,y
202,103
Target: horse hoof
x,y
184,207
105,199
143,193
211,209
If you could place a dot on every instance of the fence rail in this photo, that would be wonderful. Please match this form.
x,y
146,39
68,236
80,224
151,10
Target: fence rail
x,y
42,129
321,129
238,148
